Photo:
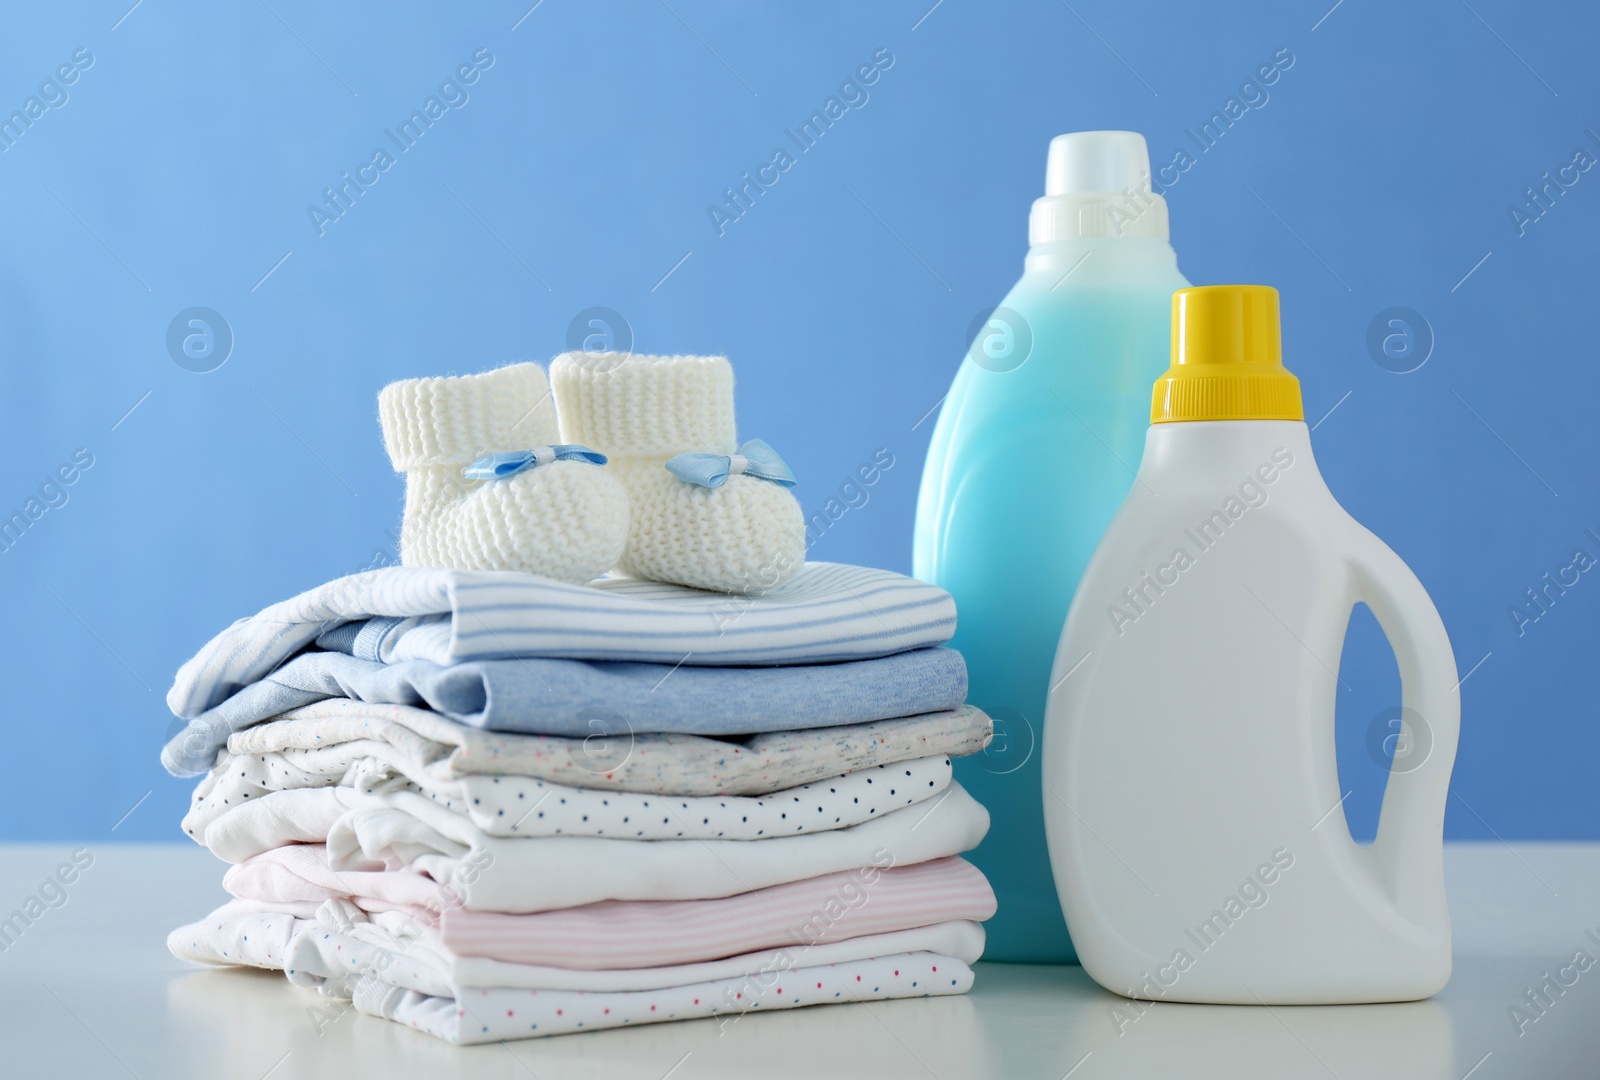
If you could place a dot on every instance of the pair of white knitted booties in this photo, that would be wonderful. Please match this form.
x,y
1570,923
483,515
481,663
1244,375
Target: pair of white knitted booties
x,y
503,475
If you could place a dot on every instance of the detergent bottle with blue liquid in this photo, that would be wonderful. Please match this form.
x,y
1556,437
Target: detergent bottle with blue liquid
x,y
1034,450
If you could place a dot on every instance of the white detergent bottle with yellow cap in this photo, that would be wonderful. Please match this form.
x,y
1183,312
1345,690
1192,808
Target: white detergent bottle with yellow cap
x,y
1192,801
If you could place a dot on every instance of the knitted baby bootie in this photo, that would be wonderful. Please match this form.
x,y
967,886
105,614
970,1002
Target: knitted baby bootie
x,y
704,511
486,489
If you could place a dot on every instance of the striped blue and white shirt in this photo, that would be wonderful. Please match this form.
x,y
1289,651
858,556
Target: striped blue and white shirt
x,y
827,612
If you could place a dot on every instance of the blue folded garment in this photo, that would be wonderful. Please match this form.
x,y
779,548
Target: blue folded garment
x,y
579,698
827,612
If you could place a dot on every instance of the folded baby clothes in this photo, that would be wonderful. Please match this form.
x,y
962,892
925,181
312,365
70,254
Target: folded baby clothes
x,y
525,806
826,612
299,816
634,933
475,1015
341,938
484,1016
960,940
583,698
544,873
491,804
403,830
297,877
429,750
615,934
520,806
768,698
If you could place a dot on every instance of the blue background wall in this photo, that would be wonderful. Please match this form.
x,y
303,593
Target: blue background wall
x,y
178,172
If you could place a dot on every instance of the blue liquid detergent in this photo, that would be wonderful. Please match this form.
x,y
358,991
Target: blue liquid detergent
x,y
1034,451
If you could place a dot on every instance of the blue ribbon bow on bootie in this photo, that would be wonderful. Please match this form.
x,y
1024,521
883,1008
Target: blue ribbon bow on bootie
x,y
510,463
755,458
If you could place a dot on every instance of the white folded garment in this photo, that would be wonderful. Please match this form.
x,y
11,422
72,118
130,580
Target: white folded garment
x,y
301,816
297,877
432,751
484,1016
544,873
478,1015
526,806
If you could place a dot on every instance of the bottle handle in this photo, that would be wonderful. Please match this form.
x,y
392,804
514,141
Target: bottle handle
x,y
1408,853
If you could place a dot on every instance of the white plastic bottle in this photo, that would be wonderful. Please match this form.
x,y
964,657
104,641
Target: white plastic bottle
x,y
1192,801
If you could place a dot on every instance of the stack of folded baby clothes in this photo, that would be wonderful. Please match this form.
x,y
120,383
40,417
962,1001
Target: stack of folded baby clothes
x,y
489,797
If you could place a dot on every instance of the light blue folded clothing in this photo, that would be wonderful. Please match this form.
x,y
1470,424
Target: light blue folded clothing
x,y
827,612
580,698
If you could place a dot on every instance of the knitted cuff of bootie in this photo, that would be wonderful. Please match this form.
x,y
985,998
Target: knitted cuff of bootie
x,y
736,530
562,517
645,406
454,420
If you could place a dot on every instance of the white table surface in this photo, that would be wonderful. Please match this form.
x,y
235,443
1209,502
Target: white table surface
x,y
89,991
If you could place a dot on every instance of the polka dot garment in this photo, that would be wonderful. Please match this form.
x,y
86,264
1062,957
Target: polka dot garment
x,y
516,806
523,806
528,806
480,1016
521,875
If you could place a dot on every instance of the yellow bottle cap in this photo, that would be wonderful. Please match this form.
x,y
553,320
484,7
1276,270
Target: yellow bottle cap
x,y
1227,358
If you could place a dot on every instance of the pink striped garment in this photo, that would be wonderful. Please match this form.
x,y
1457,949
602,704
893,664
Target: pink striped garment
x,y
616,934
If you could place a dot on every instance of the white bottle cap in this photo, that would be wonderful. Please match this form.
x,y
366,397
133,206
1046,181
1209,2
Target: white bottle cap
x,y
1097,183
